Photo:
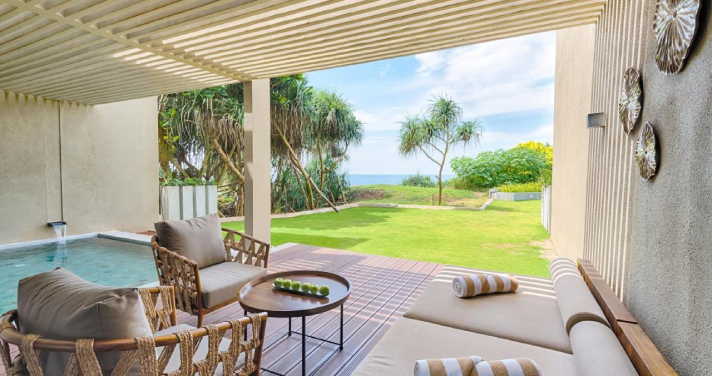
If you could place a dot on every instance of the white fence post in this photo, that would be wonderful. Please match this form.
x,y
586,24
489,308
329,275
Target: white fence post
x,y
546,208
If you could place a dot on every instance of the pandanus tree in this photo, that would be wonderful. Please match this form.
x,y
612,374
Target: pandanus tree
x,y
201,137
291,111
203,130
332,130
437,132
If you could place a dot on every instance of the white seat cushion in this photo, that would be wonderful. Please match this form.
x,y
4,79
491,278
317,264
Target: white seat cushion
x,y
222,282
531,315
410,340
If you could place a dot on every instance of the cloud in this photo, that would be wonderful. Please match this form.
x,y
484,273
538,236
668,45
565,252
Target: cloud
x,y
430,62
509,83
497,77
386,69
383,119
506,140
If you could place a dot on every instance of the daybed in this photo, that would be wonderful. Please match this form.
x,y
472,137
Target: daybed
x,y
558,323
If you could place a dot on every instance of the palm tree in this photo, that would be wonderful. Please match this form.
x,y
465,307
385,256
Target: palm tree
x,y
435,134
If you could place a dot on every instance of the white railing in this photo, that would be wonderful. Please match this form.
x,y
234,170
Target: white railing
x,y
187,202
546,208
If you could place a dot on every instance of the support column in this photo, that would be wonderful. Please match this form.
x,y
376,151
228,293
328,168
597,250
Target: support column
x,y
257,159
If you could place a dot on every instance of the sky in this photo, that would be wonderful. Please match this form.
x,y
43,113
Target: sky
x,y
507,84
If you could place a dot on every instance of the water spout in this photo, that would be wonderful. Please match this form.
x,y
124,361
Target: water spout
x,y
60,229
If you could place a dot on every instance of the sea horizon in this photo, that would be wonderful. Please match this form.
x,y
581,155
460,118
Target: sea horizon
x,y
391,179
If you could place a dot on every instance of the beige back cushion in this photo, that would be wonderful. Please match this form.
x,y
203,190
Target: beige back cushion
x,y
576,303
598,352
198,239
59,305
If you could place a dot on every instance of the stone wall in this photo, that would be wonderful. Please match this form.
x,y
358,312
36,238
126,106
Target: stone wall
x,y
95,167
652,240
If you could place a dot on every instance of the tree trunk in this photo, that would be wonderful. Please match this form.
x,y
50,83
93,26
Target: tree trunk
x,y
322,169
225,159
295,161
204,166
301,185
440,185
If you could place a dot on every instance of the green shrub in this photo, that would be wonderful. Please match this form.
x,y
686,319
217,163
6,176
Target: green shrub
x,y
464,184
522,187
419,180
496,168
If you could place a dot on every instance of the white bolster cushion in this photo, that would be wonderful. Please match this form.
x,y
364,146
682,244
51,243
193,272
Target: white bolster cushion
x,y
576,303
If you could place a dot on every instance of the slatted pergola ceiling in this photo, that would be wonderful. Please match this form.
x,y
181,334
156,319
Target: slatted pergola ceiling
x,y
100,51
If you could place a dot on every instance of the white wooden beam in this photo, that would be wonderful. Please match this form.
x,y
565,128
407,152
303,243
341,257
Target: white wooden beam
x,y
258,163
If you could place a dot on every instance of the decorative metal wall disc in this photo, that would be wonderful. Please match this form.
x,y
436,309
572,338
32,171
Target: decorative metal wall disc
x,y
645,153
630,104
675,25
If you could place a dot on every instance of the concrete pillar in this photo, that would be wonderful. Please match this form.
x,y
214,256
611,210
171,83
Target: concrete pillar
x,y
257,159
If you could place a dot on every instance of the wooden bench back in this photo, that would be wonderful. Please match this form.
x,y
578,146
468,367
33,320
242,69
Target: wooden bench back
x,y
646,358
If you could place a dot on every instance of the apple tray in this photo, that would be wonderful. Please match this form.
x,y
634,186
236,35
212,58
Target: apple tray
x,y
299,292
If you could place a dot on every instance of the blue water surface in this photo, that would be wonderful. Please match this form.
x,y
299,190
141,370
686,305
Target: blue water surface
x,y
99,260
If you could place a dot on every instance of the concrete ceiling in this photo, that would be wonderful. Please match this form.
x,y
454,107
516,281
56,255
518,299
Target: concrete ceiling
x,y
99,51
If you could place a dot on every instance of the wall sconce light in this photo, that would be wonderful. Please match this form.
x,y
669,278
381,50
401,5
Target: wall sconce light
x,y
596,120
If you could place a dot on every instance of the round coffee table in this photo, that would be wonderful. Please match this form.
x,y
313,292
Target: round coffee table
x,y
259,296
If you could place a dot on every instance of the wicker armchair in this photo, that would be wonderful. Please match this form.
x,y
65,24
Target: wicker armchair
x,y
156,355
198,296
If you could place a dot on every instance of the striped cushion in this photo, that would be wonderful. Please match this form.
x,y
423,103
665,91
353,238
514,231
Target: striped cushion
x,y
483,283
475,366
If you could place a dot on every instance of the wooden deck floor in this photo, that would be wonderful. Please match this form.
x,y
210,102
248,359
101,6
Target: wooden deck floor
x,y
383,288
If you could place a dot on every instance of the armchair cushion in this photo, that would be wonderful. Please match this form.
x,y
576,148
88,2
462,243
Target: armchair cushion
x,y
222,282
198,239
59,305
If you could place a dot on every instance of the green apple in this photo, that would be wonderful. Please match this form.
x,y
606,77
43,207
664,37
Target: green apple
x,y
287,284
278,283
306,287
296,285
324,290
314,289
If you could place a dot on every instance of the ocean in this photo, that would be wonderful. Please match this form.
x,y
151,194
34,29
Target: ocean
x,y
393,179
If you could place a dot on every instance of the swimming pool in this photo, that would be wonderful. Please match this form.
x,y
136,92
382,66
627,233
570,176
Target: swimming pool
x,y
99,260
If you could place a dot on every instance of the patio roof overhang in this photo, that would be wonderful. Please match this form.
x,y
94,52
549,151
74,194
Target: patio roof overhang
x,y
100,51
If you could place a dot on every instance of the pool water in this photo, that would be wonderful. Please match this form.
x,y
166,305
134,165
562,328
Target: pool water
x,y
99,260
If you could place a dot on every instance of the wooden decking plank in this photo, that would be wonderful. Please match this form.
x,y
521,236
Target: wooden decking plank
x,y
292,355
371,312
380,321
383,288
361,273
348,366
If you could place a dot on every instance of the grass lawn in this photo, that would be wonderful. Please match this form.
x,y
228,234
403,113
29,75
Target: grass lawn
x,y
399,194
501,238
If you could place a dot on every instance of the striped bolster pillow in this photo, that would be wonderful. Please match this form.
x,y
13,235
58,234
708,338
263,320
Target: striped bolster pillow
x,y
475,366
480,283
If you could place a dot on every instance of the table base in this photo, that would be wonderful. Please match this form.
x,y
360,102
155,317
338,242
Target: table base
x,y
304,344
